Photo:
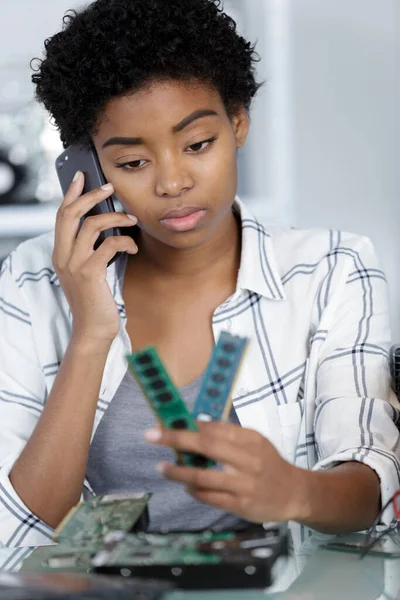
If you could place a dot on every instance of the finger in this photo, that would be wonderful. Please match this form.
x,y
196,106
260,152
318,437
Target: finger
x,y
68,220
62,241
106,251
75,189
199,443
222,500
239,436
90,231
201,478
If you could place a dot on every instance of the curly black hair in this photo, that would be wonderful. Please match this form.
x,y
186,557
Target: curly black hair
x,y
117,47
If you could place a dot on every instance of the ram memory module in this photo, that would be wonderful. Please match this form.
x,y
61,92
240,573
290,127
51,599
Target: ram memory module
x,y
214,400
164,399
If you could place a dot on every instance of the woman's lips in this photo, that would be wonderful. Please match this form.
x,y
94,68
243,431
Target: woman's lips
x,y
184,223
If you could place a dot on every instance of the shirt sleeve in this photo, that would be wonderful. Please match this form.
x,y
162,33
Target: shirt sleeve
x,y
22,397
354,421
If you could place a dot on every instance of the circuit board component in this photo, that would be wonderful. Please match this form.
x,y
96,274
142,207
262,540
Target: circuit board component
x,y
203,560
101,514
161,549
190,560
164,399
214,400
82,532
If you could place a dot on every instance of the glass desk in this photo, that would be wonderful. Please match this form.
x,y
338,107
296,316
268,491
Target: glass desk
x,y
310,573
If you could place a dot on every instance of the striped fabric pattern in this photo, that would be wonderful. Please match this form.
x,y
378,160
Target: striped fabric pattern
x,y
315,380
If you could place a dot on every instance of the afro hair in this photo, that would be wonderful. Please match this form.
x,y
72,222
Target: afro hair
x,y
117,47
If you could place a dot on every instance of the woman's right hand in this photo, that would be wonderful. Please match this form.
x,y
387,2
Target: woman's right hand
x,y
82,271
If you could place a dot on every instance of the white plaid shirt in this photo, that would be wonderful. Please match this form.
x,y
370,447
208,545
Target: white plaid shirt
x,y
315,380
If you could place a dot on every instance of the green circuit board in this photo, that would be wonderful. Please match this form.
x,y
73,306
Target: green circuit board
x,y
214,400
61,558
164,549
94,519
81,533
197,548
192,560
151,549
164,399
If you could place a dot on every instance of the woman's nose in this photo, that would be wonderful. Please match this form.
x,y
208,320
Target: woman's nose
x,y
173,178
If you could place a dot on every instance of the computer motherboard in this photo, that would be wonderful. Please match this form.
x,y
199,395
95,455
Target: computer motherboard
x,y
205,560
81,534
95,538
94,519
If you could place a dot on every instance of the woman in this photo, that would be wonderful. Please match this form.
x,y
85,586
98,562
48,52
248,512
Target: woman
x,y
163,92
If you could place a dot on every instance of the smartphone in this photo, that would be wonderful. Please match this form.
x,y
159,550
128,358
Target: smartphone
x,y
79,158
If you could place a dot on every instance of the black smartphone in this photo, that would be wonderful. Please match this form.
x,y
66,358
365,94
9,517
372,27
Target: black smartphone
x,y
78,158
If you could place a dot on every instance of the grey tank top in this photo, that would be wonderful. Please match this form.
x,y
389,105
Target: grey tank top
x,y
121,460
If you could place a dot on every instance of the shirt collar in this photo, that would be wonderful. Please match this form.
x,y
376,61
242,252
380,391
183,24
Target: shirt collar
x,y
258,270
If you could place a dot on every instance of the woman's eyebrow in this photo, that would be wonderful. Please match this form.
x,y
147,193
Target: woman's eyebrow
x,y
137,141
197,114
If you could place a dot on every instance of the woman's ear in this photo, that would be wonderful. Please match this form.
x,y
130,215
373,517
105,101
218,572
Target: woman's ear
x,y
241,126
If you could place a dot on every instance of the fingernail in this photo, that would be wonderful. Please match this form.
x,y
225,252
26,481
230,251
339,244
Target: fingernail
x,y
132,217
160,468
108,187
152,435
76,176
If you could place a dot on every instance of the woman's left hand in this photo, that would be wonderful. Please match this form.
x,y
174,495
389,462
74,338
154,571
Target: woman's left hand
x,y
256,483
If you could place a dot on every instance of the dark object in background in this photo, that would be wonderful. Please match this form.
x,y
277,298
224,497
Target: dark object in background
x,y
12,178
26,158
386,546
395,368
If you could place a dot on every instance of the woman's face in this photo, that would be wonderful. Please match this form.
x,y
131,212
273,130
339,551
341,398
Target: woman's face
x,y
172,147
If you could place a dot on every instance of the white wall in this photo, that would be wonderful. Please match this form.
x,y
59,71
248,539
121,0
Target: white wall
x,y
347,123
24,26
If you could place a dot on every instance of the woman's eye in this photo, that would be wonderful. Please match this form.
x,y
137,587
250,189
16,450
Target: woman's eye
x,y
198,146
132,165
135,165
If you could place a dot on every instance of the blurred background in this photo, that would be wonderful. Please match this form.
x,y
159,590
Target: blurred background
x,y
325,141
